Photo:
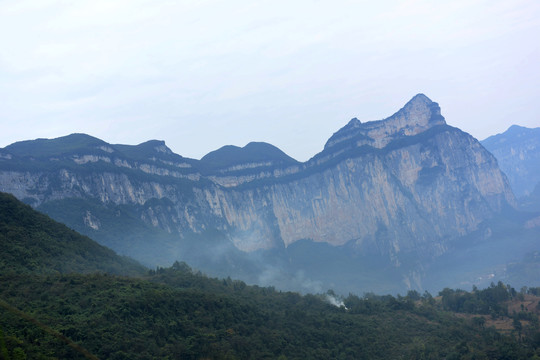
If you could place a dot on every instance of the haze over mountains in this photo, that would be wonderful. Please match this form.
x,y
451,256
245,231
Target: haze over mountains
x,y
387,205
518,153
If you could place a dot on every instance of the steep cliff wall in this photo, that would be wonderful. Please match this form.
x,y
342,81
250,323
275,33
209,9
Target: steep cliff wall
x,y
405,184
405,197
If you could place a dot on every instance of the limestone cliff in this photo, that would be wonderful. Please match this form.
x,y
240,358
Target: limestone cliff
x,y
404,184
408,184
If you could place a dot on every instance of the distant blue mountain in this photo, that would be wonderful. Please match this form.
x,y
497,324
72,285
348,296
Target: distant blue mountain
x,y
518,153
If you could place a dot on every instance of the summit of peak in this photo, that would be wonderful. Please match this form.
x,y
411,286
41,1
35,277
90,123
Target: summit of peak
x,y
419,99
419,111
416,116
254,152
354,122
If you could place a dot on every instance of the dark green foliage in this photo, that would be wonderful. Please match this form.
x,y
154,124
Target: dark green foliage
x,y
54,147
534,291
32,242
488,301
254,152
177,313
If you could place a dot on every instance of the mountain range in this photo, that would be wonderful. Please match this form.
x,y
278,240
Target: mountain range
x,y
386,205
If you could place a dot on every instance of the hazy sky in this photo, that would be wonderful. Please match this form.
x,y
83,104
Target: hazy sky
x,y
203,74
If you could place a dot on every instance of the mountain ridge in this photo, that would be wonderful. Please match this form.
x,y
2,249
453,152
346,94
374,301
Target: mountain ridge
x,y
256,153
518,153
401,188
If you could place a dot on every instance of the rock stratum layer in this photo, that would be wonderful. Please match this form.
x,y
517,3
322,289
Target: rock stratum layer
x,y
407,184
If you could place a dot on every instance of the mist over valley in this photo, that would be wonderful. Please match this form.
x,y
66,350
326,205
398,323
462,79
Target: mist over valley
x,y
269,180
363,251
404,203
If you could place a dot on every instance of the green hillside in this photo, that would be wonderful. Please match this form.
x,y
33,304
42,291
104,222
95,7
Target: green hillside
x,y
31,242
177,314
51,308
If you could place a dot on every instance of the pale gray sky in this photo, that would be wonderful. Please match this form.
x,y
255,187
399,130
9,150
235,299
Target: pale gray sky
x,y
203,74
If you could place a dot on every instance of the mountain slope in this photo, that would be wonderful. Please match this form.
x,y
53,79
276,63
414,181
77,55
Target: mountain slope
x,y
175,313
32,242
402,190
518,152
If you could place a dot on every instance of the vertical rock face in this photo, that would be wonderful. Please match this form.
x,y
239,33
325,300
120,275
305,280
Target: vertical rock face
x,y
518,152
407,184
404,184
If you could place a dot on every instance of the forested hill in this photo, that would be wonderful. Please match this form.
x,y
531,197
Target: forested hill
x,y
47,311
31,242
176,313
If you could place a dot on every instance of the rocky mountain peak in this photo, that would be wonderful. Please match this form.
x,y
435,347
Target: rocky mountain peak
x,y
418,100
156,145
418,115
354,122
419,111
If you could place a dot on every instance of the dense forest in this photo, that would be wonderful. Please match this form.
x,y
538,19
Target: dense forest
x,y
176,313
64,297
31,242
